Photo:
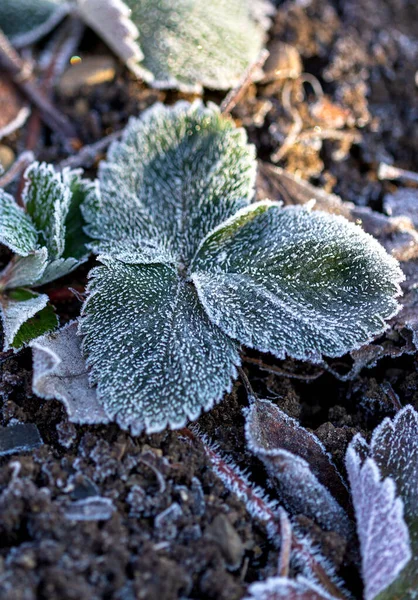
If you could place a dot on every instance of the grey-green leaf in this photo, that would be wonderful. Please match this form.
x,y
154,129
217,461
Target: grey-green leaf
x,y
23,271
192,44
156,358
47,200
291,281
17,231
177,173
54,200
25,21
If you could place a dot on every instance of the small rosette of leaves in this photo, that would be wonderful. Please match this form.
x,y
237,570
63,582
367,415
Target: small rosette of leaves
x,y
191,270
48,242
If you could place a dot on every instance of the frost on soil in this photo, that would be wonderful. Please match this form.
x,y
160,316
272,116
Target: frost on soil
x,y
200,268
384,484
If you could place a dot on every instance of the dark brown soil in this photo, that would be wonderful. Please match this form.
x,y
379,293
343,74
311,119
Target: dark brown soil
x,y
177,532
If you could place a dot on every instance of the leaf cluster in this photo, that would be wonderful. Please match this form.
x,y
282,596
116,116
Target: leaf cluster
x,y
47,239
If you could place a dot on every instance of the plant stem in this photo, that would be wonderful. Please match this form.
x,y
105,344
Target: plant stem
x,y
11,62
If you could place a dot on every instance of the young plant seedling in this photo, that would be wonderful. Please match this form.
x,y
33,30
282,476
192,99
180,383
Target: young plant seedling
x,y
48,242
191,270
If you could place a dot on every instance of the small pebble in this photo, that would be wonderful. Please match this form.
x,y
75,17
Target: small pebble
x,y
7,156
91,71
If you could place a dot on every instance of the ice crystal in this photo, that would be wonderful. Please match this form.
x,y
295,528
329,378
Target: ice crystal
x,y
308,560
93,508
25,21
384,483
47,238
21,437
291,455
190,268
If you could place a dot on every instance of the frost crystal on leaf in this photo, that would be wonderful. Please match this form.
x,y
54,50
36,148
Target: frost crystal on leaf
x,y
189,269
384,483
60,372
26,21
270,272
288,450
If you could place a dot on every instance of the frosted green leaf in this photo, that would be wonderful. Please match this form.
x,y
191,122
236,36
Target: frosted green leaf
x,y
56,269
48,239
193,43
26,21
187,44
24,271
291,281
24,316
111,21
47,201
53,201
154,354
17,231
177,173
388,527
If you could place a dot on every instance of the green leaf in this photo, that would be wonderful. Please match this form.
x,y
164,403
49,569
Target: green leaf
x,y
25,315
17,231
24,271
54,201
177,173
291,281
25,21
155,356
192,44
75,239
56,269
187,44
47,200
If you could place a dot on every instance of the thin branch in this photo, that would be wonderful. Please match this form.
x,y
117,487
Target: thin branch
x,y
282,372
236,94
386,171
88,155
286,545
11,62
20,164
